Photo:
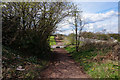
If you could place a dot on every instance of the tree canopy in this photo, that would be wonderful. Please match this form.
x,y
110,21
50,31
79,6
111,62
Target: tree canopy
x,y
27,26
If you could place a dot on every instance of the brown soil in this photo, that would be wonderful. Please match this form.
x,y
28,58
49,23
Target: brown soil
x,y
63,66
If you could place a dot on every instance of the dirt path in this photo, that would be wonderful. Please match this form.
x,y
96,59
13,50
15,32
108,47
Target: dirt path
x,y
63,67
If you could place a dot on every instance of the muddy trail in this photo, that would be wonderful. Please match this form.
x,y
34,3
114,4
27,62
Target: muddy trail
x,y
63,66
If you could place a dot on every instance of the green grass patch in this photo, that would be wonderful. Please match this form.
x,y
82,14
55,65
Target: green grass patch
x,y
96,69
70,49
52,40
109,69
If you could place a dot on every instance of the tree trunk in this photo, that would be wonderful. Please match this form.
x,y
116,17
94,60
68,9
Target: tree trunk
x,y
76,30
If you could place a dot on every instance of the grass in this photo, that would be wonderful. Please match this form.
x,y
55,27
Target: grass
x,y
12,59
91,57
109,69
52,40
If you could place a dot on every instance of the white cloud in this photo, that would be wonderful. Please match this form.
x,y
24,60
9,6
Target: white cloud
x,y
66,32
92,17
63,26
66,24
96,23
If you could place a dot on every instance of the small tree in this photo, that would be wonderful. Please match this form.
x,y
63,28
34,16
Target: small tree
x,y
78,25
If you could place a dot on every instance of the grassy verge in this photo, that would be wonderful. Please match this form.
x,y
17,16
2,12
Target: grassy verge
x,y
52,40
12,61
97,60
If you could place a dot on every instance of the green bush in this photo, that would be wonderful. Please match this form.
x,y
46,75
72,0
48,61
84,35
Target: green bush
x,y
52,40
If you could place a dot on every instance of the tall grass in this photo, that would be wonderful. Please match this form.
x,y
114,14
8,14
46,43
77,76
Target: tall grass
x,y
99,60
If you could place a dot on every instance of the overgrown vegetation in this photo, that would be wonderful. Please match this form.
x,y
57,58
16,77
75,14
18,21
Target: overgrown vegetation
x,y
26,38
99,60
70,39
26,28
30,66
115,36
101,36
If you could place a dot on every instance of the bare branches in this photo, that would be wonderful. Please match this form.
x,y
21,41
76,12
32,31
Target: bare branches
x,y
78,24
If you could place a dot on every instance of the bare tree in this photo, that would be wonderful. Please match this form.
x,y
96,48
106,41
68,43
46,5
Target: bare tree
x,y
78,25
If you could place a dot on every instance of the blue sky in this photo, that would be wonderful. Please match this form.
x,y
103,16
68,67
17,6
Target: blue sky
x,y
97,7
98,15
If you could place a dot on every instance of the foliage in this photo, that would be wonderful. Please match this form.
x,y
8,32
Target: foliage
x,y
99,36
71,38
27,26
12,59
94,59
108,69
115,36
52,40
